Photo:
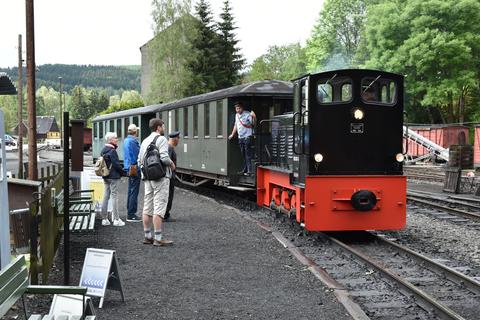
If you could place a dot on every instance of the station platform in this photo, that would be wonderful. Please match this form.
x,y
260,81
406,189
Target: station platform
x,y
221,266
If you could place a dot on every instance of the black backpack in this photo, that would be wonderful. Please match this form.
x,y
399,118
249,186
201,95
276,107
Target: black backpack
x,y
152,166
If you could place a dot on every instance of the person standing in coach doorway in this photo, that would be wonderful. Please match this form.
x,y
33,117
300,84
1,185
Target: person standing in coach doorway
x,y
173,140
244,122
131,148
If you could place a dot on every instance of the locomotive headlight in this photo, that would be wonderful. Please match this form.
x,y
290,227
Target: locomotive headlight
x,y
318,157
400,157
358,114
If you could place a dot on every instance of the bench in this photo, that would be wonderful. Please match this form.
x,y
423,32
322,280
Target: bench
x,y
82,213
14,283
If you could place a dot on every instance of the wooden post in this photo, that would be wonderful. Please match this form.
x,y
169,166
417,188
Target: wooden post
x,y
66,202
31,108
20,107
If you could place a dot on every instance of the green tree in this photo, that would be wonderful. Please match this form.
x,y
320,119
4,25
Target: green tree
x,y
81,108
231,60
336,36
8,104
129,100
436,44
280,62
171,49
205,62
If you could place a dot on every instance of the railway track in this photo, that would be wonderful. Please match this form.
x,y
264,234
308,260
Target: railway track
x,y
463,207
435,287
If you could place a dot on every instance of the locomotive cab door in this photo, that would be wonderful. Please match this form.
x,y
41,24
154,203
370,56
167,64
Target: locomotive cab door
x,y
300,131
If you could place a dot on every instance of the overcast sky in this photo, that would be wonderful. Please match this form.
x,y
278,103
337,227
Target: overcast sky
x,y
110,32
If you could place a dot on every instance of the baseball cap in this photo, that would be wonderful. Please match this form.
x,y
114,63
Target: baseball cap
x,y
132,127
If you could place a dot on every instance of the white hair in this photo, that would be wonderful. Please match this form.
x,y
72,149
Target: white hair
x,y
109,136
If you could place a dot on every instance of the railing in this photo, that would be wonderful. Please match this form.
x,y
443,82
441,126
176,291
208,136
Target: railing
x,y
45,221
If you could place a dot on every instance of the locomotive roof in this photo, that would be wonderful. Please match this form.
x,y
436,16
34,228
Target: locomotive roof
x,y
257,88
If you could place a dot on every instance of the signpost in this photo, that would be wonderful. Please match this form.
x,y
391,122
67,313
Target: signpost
x,y
100,272
4,215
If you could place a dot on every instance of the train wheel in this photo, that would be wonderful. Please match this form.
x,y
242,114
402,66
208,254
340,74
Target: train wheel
x,y
276,196
286,200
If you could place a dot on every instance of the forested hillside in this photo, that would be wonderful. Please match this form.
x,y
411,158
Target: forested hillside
x,y
112,78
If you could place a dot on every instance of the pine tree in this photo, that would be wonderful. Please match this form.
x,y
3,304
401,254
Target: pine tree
x,y
204,63
231,60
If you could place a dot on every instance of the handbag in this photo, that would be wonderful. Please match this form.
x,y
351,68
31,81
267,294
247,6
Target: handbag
x,y
133,170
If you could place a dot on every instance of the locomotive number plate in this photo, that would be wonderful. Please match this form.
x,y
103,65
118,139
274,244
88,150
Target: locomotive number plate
x,y
356,127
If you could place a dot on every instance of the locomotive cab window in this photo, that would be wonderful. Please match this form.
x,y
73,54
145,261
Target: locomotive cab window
x,y
379,90
334,90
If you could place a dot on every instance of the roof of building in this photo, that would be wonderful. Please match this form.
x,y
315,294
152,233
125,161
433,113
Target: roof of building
x,y
258,88
6,85
45,124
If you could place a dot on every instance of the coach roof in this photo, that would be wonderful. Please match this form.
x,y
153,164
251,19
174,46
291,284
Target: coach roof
x,y
257,88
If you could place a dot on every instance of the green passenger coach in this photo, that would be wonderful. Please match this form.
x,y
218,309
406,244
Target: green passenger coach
x,y
204,121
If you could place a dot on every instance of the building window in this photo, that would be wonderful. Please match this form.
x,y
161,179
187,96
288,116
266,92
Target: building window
x,y
195,121
119,128
100,131
177,120
219,118
206,119
185,122
126,123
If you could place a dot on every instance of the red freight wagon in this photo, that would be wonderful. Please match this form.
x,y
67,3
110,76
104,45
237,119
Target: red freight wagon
x,y
443,135
476,147
87,138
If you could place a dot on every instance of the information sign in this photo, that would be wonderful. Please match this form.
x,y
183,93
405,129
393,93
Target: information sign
x,y
100,272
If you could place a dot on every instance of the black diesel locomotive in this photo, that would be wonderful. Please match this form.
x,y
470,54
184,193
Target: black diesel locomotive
x,y
335,163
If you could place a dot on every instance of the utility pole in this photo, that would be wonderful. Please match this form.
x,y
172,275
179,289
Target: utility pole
x,y
20,108
31,108
61,113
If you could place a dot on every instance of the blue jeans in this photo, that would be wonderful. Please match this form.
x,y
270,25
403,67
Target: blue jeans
x,y
132,200
247,153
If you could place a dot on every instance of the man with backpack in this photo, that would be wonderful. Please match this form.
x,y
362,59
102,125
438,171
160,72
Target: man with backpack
x,y
156,170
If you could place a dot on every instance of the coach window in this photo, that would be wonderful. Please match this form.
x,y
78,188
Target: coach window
x,y
334,90
119,128
135,120
185,122
195,121
379,90
177,120
220,119
111,126
95,130
126,122
100,130
206,120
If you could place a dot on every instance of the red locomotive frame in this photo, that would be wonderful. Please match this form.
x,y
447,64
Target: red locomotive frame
x,y
324,204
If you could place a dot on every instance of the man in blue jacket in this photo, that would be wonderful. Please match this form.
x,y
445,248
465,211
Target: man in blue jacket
x,y
131,147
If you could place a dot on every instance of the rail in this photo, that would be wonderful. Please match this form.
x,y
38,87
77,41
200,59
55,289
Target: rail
x,y
422,298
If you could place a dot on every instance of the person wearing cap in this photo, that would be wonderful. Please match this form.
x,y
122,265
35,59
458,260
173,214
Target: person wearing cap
x,y
131,148
173,139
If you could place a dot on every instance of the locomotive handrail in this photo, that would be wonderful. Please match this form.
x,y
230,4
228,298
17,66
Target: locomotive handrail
x,y
406,126
303,132
294,135
261,136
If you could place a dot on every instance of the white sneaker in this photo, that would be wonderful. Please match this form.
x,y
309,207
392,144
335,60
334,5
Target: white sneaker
x,y
105,222
118,223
